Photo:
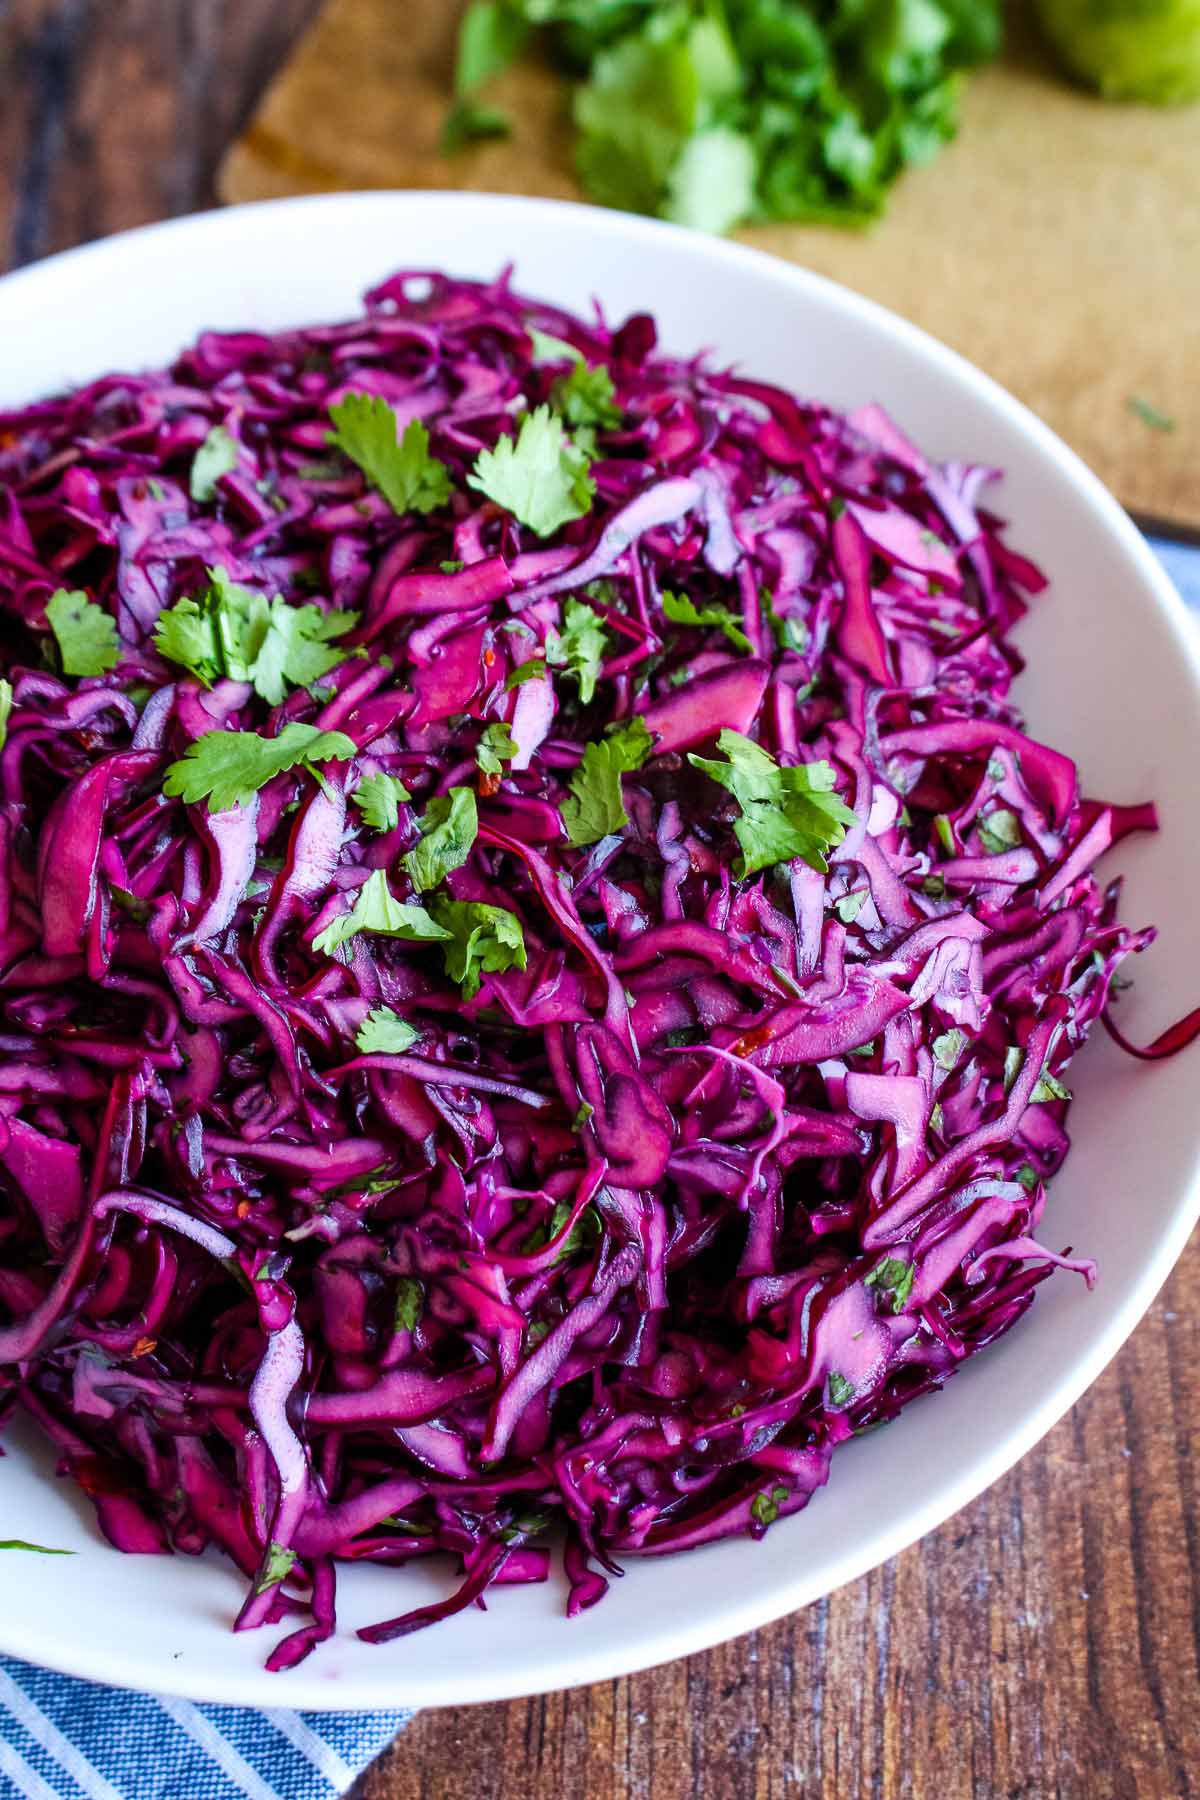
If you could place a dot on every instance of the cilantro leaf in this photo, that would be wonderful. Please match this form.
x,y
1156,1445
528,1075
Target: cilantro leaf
x,y
377,910
848,906
483,940
86,634
235,631
448,828
491,36
494,749
277,1567
365,430
1149,414
841,1391
580,648
683,611
384,1033
378,797
785,812
6,700
1028,1177
468,122
410,1303
893,1278
711,185
38,1549
595,806
296,650
229,767
217,456
531,670
539,476
789,633
586,396
548,349
764,1508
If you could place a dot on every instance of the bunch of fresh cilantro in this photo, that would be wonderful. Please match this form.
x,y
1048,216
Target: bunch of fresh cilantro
x,y
716,112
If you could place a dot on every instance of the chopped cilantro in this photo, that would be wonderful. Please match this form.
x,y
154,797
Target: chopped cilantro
x,y
764,1508
548,349
595,806
228,767
683,611
86,634
410,1303
586,396
217,456
377,910
533,670
539,476
448,828
480,940
401,468
384,1033
841,1391
276,1568
468,122
580,647
231,630
1149,414
893,1278
6,700
494,749
37,1549
789,633
785,812
379,798
848,906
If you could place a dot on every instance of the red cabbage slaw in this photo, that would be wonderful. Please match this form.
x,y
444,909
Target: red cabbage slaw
x,y
535,982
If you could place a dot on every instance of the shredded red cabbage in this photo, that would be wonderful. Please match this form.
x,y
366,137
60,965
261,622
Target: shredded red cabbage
x,y
614,1208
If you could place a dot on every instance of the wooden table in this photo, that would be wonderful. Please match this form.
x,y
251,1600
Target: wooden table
x,y
1046,1642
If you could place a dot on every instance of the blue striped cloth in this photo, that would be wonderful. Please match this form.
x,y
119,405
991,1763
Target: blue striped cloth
x,y
62,1739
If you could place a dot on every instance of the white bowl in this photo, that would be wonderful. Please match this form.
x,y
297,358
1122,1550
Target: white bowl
x,y
1114,680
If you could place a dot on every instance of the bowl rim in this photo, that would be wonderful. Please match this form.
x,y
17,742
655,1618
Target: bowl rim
x,y
664,1639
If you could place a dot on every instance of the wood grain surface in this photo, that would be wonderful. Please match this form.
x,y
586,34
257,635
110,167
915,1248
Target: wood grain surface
x,y
1056,243
1043,1645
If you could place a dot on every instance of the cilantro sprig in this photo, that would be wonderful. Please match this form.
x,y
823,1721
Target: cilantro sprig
x,y
377,910
233,631
785,812
217,456
384,1033
579,648
494,749
683,611
539,476
482,940
401,468
227,768
379,798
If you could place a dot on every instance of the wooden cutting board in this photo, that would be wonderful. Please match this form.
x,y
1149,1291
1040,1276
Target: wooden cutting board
x,y
1056,243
